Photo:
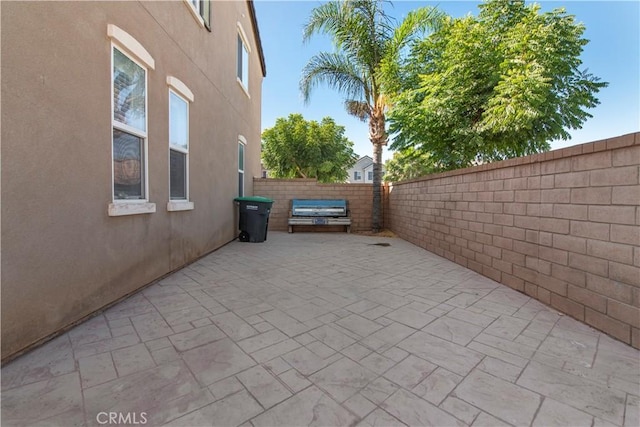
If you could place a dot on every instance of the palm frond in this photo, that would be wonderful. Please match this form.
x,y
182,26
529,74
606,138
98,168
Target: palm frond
x,y
359,28
337,71
370,32
325,19
412,28
337,20
415,24
359,109
370,44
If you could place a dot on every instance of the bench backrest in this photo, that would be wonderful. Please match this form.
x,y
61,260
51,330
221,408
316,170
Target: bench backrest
x,y
319,207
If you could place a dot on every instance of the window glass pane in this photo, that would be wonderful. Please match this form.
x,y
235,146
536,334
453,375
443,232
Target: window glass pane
x,y
370,176
243,63
178,121
128,166
205,12
129,92
178,174
240,184
239,57
241,156
245,66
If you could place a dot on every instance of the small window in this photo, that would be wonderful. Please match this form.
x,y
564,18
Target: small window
x,y
243,61
357,176
129,128
370,176
178,147
240,169
201,10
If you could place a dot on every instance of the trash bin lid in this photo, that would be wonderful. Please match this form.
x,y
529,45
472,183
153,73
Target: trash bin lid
x,y
254,199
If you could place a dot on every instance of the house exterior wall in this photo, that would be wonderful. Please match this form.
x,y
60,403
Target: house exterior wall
x,y
369,171
358,167
364,165
562,227
282,191
63,256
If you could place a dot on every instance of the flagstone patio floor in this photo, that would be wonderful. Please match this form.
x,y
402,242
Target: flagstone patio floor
x,y
326,329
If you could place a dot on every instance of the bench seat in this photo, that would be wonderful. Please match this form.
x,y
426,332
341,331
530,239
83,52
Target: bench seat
x,y
319,212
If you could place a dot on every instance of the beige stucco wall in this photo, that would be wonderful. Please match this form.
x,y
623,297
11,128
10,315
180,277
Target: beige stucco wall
x,y
63,257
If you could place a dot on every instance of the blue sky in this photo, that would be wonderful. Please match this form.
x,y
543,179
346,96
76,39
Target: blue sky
x,y
613,54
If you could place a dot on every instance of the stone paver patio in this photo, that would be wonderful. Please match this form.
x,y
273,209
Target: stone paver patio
x,y
327,330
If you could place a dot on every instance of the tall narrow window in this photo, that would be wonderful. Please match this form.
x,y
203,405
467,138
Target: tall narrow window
x,y
178,147
240,169
180,97
243,62
129,128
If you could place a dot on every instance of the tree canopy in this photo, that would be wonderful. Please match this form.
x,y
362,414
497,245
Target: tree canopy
x,y
297,148
499,85
408,164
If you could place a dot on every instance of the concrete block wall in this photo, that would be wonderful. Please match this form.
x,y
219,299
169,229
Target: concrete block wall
x,y
562,227
282,191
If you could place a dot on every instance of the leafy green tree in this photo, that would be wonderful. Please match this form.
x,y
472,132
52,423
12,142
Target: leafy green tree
x,y
297,148
499,85
368,46
408,164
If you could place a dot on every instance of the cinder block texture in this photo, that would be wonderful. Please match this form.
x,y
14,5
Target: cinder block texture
x,y
562,226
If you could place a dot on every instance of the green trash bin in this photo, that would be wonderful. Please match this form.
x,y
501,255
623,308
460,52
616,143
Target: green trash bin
x,y
254,218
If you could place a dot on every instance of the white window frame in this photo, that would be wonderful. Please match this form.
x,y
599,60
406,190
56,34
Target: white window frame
x,y
196,11
180,90
369,175
134,51
357,176
247,48
242,142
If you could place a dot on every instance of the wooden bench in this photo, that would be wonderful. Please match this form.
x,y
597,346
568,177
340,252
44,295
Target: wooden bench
x,y
319,212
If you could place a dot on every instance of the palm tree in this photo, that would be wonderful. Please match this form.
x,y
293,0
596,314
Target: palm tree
x,y
365,65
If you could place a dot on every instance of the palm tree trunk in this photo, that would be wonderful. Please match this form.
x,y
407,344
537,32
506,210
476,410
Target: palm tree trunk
x,y
376,217
378,137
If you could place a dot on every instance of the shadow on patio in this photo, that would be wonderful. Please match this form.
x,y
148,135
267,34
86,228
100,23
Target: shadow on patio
x,y
326,329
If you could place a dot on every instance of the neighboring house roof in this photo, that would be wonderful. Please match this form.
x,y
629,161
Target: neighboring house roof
x,y
256,34
363,161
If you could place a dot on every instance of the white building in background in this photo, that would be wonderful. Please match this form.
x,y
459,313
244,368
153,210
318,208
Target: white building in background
x,y
362,171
